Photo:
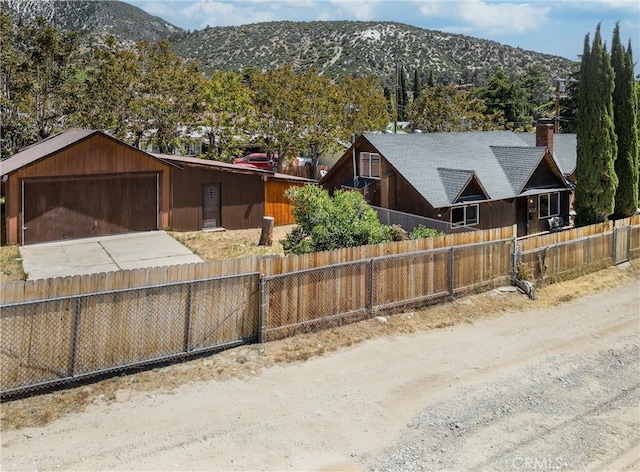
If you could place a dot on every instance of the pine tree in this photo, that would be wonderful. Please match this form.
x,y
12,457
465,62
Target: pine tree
x,y
626,126
596,139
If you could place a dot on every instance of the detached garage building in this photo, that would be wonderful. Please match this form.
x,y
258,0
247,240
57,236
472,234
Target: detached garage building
x,y
83,183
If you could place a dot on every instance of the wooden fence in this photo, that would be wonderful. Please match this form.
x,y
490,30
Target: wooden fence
x,y
62,329
42,289
564,254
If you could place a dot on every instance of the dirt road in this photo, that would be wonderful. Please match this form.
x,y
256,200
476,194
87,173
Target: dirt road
x,y
550,389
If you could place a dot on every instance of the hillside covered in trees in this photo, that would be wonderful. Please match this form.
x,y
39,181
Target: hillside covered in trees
x,y
149,96
335,49
344,48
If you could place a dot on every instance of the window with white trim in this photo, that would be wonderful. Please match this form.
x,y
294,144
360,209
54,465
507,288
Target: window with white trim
x,y
465,215
548,205
370,165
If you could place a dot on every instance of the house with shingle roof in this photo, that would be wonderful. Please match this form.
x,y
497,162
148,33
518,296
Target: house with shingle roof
x,y
474,179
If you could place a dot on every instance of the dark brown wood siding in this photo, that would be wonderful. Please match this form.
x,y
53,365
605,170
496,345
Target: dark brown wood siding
x,y
342,174
242,198
72,208
98,155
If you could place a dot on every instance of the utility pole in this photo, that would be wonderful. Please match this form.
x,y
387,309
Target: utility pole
x,y
560,89
561,92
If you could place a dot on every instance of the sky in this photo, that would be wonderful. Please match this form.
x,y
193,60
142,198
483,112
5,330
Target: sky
x,y
554,27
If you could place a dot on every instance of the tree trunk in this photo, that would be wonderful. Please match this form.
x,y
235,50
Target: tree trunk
x,y
266,237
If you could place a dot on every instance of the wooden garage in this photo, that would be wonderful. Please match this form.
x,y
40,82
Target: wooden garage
x,y
83,183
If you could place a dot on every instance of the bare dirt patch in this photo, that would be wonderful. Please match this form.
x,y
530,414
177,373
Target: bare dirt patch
x,y
250,360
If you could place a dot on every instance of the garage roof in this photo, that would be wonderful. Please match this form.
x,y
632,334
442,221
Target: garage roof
x,y
52,145
225,166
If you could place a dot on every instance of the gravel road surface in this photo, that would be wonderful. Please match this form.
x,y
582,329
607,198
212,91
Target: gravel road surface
x,y
552,389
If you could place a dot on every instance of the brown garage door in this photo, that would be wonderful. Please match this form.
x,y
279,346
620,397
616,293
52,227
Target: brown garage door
x,y
62,209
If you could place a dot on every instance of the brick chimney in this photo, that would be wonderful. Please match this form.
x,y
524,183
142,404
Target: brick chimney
x,y
544,136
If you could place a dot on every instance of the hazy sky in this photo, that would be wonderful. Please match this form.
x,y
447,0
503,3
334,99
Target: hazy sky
x,y
554,27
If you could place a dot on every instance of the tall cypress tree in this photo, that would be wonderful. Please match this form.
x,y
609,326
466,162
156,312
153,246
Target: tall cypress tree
x,y
416,85
403,100
596,139
430,82
625,119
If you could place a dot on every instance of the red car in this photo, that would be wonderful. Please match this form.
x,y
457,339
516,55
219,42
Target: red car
x,y
257,159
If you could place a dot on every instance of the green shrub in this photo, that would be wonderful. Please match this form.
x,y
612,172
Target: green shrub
x,y
326,223
421,232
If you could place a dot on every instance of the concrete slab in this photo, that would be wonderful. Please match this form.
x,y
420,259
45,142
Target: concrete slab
x,y
104,254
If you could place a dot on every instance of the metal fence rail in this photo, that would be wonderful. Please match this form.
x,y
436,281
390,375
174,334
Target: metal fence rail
x,y
318,298
51,341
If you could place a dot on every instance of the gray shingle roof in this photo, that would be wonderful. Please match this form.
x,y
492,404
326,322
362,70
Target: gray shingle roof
x,y
518,163
454,181
564,149
501,160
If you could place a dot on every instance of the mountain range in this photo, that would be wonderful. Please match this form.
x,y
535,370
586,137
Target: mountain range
x,y
336,48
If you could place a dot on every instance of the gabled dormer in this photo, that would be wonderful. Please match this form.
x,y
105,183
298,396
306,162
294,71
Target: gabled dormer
x,y
462,185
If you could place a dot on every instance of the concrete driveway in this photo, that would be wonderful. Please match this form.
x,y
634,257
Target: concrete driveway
x,y
104,254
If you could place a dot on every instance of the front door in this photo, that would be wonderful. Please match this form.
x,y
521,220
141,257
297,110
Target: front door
x,y
211,206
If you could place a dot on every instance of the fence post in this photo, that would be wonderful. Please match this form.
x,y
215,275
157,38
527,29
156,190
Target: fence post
x,y
372,286
452,263
628,228
515,260
614,239
262,311
74,347
187,319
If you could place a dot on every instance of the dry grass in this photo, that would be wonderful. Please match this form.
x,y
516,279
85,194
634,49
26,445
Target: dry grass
x,y
11,264
250,360
211,245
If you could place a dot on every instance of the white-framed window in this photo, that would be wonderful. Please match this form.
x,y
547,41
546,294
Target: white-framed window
x,y
192,149
465,215
548,205
370,165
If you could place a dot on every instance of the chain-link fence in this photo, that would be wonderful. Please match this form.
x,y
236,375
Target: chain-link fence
x,y
51,341
566,259
320,298
314,299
